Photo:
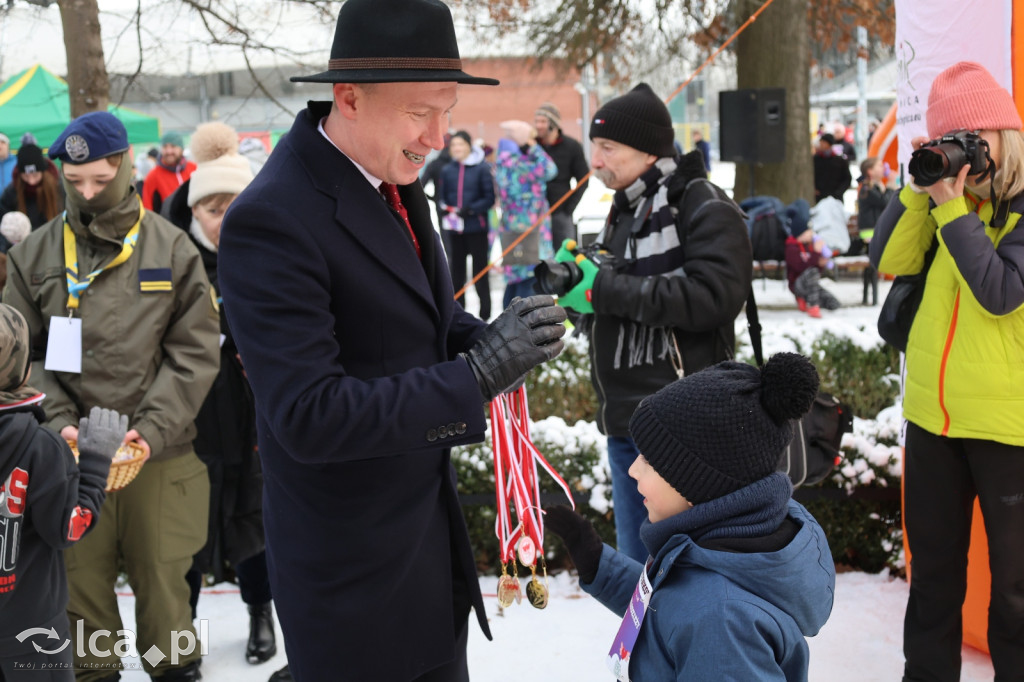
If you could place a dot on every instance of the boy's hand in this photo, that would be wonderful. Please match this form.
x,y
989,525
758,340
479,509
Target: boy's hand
x,y
102,432
580,538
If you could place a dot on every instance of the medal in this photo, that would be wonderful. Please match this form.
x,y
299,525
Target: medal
x,y
509,588
517,487
537,591
527,551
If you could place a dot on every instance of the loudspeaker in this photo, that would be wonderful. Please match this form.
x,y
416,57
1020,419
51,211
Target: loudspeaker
x,y
752,125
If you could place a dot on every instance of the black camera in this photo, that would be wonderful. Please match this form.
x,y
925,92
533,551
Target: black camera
x,y
944,157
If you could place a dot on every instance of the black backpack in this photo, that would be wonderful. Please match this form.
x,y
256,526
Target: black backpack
x,y
814,451
768,235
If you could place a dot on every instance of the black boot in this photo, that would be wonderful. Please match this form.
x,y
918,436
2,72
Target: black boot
x,y
262,645
186,673
282,675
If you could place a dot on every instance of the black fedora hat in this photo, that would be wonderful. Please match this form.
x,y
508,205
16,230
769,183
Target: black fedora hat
x,y
394,41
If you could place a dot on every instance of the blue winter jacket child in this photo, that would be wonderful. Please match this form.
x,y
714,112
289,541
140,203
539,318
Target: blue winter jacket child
x,y
726,608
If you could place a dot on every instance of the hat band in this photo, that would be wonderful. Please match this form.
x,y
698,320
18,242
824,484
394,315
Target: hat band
x,y
394,63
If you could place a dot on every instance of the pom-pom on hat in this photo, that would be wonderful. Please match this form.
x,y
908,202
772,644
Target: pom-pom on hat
x,y
90,137
30,159
551,112
966,96
220,169
638,119
15,226
725,427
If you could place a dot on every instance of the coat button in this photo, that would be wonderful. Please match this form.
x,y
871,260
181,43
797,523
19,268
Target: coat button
x,y
460,428
442,431
451,430
89,353
432,435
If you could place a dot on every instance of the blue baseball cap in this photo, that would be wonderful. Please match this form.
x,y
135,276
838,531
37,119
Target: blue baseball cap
x,y
89,137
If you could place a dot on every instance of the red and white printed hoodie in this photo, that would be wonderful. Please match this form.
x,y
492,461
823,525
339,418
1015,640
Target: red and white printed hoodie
x,y
47,502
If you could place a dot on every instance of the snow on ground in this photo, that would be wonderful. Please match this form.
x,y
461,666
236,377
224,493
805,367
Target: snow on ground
x,y
567,641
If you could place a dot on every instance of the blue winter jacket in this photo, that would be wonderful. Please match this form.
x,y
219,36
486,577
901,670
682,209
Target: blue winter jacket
x,y
719,615
477,190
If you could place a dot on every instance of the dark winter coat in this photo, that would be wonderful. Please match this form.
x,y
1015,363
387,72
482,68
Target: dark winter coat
x,y
47,503
477,195
832,176
871,201
350,343
700,291
568,156
225,435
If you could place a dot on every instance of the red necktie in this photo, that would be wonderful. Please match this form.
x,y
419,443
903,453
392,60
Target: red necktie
x,y
390,192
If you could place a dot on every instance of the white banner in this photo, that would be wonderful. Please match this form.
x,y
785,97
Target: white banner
x,y
934,35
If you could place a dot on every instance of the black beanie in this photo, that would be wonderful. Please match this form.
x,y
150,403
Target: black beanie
x,y
30,159
638,119
725,427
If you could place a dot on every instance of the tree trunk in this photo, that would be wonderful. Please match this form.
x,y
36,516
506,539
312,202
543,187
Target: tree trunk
x,y
88,85
774,52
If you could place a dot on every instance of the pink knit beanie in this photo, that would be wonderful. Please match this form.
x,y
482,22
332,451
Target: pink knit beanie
x,y
967,96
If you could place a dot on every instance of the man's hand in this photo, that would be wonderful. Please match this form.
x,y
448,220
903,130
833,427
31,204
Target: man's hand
x,y
526,334
102,432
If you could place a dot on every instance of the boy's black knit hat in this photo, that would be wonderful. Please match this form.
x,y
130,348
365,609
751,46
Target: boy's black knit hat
x,y
720,429
638,119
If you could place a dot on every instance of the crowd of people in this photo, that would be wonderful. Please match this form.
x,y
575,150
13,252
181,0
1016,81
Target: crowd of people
x,y
285,341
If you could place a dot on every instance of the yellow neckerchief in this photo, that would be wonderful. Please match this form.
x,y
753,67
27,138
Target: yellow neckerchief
x,y
76,287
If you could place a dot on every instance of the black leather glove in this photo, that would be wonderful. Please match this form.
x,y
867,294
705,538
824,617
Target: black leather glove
x,y
580,538
465,213
524,335
102,432
556,278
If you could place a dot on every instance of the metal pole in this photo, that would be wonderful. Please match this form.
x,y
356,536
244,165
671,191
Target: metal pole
x,y
861,131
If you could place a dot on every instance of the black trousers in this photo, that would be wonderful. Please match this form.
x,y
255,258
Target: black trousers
x,y
942,477
474,244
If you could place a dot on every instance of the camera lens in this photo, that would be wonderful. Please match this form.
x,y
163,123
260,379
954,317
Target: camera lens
x,y
928,165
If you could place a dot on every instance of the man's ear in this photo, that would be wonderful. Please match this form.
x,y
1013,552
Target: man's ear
x,y
346,99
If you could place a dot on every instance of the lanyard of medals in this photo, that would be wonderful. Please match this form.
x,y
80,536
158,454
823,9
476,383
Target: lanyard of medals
x,y
77,285
625,639
517,484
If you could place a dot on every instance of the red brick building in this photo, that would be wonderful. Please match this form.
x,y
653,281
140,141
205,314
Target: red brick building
x,y
523,88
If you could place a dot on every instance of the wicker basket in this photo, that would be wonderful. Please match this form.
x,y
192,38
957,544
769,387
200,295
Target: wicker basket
x,y
123,470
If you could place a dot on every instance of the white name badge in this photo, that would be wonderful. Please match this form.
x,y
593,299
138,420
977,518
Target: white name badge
x,y
64,345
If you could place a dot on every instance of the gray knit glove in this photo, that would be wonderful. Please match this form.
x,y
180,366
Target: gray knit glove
x,y
102,432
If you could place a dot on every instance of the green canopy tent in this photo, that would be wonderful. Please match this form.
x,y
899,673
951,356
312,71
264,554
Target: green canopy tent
x,y
36,101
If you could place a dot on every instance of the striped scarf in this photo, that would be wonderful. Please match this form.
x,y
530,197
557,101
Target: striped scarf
x,y
652,249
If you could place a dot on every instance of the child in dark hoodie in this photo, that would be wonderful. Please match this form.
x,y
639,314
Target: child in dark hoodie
x,y
739,573
47,502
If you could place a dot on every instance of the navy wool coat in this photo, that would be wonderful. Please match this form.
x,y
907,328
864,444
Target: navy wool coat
x,y
350,344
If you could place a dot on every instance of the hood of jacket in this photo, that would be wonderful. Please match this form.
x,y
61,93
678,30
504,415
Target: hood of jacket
x,y
786,578
475,158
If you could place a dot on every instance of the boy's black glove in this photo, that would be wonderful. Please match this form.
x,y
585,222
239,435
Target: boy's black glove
x,y
102,432
526,334
580,538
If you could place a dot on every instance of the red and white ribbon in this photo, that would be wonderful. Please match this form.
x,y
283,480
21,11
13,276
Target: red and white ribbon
x,y
516,480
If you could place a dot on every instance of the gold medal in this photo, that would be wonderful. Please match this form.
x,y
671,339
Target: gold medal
x,y
509,590
537,593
